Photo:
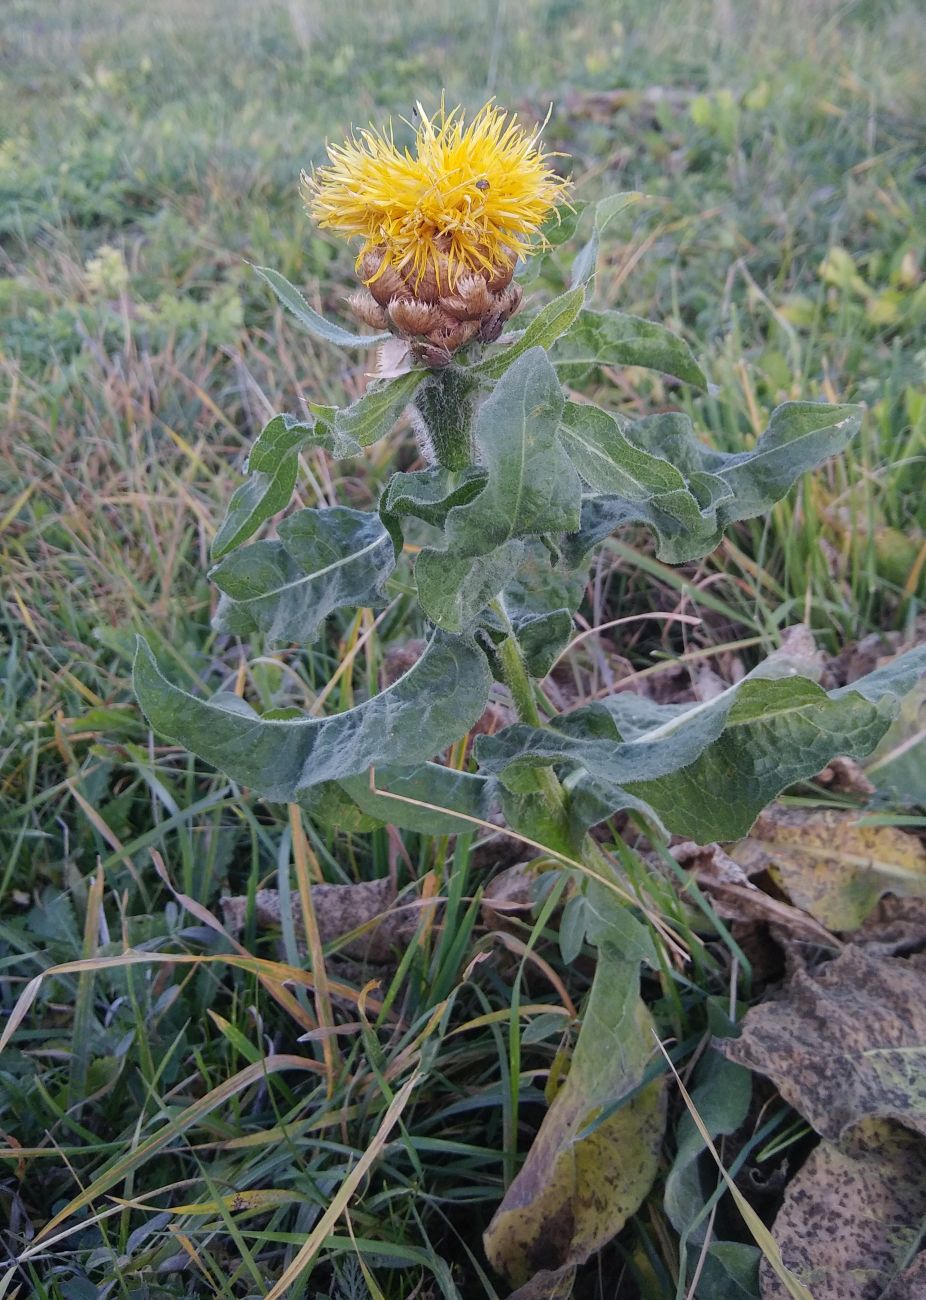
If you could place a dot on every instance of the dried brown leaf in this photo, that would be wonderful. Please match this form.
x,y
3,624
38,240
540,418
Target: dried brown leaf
x,y
852,1215
896,928
508,897
735,898
339,909
845,1043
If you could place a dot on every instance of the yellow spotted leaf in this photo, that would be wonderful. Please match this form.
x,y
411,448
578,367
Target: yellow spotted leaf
x,y
831,864
582,1180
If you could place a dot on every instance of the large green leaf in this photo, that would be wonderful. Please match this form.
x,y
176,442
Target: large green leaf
x,y
271,471
531,488
544,329
709,769
609,462
435,702
325,559
323,329
611,338
655,471
427,494
539,601
583,1179
428,798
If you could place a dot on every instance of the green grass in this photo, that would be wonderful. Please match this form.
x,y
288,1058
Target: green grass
x,y
147,154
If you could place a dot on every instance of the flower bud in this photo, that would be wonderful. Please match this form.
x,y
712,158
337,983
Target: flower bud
x,y
442,226
365,306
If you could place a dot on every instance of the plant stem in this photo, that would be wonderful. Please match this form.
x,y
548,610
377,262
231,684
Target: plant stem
x,y
519,683
444,403
521,687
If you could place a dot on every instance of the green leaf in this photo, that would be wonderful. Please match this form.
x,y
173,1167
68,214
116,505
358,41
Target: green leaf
x,y
271,471
610,338
374,414
540,601
328,804
721,1096
323,329
572,928
427,494
656,472
709,769
577,1188
400,795
543,330
435,702
583,268
800,435
530,488
325,559
611,924
454,589
543,638
609,462
429,799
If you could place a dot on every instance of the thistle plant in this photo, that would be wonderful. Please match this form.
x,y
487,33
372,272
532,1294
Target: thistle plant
x,y
521,481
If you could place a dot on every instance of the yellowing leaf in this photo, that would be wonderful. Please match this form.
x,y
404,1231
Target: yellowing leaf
x,y
251,1201
832,865
580,1184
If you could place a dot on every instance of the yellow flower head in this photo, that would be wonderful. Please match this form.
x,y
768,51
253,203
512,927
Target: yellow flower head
x,y
469,198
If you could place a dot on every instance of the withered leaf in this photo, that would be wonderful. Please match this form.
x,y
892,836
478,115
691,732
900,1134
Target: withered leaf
x,y
831,865
845,1042
547,1285
852,1215
735,898
508,897
339,909
579,1184
911,1283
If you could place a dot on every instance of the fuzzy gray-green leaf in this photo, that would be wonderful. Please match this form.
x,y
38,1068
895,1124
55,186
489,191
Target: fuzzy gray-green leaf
x,y
271,471
323,329
454,589
434,703
325,559
429,798
611,338
427,494
374,414
708,770
657,472
531,488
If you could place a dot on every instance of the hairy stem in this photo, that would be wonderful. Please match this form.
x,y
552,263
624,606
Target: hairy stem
x,y
444,403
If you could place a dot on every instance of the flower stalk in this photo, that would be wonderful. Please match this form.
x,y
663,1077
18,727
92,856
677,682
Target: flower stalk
x,y
443,417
